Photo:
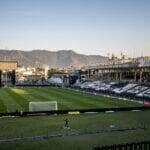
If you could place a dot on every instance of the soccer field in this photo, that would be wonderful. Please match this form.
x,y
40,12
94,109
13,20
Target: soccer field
x,y
85,131
12,99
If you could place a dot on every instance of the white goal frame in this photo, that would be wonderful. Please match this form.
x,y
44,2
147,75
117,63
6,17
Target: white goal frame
x,y
42,106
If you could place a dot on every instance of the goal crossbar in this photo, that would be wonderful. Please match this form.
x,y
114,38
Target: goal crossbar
x,y
43,106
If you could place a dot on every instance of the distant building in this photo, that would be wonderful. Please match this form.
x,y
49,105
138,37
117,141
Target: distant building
x,y
30,75
8,65
58,76
7,72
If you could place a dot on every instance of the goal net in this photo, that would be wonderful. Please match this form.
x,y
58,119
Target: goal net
x,y
43,106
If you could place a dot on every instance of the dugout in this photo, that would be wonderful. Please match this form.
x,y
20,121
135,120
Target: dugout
x,y
7,72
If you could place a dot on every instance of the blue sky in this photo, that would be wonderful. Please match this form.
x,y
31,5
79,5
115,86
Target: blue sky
x,y
86,26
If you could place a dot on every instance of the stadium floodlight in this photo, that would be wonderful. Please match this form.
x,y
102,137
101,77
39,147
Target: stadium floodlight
x,y
43,106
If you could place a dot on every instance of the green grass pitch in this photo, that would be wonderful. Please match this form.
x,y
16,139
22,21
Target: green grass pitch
x,y
12,99
39,125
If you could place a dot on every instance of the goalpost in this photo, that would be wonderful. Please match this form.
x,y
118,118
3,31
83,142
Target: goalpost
x,y
43,106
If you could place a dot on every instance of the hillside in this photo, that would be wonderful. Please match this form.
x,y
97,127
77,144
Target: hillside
x,y
40,58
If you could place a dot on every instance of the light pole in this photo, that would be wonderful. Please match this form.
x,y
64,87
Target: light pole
x,y
6,78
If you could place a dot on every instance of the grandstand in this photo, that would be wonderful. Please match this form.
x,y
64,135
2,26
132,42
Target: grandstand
x,y
129,79
136,70
132,91
97,108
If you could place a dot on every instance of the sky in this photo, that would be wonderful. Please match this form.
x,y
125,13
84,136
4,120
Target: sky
x,y
99,27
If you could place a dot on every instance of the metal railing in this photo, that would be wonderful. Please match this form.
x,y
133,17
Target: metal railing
x,y
143,145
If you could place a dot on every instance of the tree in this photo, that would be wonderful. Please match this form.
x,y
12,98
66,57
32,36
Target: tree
x,y
13,78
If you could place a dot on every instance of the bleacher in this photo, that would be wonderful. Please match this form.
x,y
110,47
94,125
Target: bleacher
x,y
145,93
128,90
137,89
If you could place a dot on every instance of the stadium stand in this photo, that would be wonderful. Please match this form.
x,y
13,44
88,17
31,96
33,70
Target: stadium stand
x,y
145,93
121,89
137,89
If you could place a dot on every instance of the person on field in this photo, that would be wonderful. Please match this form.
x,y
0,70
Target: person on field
x,y
66,123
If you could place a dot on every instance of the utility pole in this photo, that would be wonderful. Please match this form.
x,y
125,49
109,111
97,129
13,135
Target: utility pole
x,y
6,79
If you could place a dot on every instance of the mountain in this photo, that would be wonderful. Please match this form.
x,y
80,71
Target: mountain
x,y
41,58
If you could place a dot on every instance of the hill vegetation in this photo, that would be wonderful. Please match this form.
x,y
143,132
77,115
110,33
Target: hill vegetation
x,y
41,58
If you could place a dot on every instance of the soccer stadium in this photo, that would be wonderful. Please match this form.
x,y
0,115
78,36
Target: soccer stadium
x,y
74,74
85,115
83,131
